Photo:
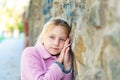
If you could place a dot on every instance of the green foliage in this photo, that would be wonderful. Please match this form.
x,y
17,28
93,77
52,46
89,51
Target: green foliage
x,y
11,20
20,27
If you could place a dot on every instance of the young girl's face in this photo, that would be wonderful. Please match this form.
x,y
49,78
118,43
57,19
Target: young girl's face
x,y
54,40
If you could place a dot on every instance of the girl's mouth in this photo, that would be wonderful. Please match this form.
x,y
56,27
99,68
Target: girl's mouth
x,y
56,48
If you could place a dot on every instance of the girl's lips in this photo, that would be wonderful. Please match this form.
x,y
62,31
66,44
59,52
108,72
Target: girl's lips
x,y
56,48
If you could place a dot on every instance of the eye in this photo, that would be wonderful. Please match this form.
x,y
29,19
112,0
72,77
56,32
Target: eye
x,y
62,39
52,37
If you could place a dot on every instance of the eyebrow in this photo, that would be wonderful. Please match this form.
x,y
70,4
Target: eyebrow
x,y
61,36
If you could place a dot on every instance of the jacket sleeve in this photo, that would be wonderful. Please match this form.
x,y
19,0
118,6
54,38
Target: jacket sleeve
x,y
68,76
32,67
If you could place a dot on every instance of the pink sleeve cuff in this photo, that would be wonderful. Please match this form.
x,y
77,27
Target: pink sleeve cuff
x,y
56,71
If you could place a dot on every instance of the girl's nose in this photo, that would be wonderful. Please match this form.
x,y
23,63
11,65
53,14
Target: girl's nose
x,y
56,42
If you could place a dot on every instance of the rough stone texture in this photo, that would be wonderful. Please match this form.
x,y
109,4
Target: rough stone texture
x,y
35,20
95,34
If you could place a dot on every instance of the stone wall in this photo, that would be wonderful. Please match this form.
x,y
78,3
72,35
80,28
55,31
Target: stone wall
x,y
95,34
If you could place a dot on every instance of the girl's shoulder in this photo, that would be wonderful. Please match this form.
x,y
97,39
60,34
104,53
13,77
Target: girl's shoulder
x,y
29,51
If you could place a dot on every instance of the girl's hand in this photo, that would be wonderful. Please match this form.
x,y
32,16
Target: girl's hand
x,y
64,51
67,62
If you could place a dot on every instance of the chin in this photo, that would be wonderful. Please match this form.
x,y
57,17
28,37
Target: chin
x,y
54,54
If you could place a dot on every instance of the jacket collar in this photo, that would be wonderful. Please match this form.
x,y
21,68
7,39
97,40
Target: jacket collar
x,y
42,51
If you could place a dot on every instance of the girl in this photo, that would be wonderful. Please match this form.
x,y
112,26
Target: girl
x,y
49,59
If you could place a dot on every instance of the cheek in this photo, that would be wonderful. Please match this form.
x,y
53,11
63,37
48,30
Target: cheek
x,y
61,45
47,45
47,42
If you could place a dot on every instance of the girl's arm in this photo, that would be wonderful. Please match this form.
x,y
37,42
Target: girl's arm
x,y
33,67
65,58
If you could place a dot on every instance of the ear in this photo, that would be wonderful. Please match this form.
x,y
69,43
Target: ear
x,y
42,40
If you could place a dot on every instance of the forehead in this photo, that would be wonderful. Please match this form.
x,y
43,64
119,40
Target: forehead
x,y
58,30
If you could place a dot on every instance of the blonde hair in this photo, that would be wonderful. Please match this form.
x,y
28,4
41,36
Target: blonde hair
x,y
51,24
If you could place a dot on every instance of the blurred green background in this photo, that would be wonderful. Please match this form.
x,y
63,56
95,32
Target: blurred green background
x,y
11,18
11,37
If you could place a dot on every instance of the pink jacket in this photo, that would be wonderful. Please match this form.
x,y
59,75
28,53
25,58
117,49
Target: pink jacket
x,y
38,64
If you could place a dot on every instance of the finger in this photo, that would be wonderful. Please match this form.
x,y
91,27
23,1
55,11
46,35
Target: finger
x,y
67,50
66,44
65,47
67,41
